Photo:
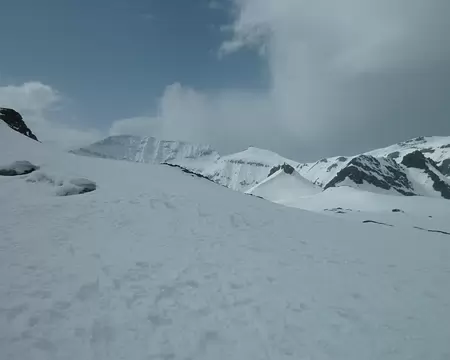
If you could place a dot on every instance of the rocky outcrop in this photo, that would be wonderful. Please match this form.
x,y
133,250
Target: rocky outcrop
x,y
288,169
383,173
18,168
417,160
15,121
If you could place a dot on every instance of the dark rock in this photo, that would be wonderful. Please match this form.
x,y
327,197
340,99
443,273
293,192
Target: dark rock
x,y
394,155
187,171
366,168
415,160
15,122
331,167
432,231
288,169
18,168
445,146
242,162
376,222
342,158
397,211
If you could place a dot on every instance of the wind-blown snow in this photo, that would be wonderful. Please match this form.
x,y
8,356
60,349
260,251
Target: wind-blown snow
x,y
155,264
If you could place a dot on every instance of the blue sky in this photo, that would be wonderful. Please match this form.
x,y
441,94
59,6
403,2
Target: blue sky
x,y
307,79
113,58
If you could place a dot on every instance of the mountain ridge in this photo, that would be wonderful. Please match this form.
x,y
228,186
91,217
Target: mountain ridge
x,y
381,168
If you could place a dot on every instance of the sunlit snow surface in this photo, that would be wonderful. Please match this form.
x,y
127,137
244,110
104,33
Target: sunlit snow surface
x,y
155,264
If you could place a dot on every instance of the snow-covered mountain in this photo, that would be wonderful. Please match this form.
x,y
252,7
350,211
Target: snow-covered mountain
x,y
112,260
426,175
148,150
379,170
435,148
243,170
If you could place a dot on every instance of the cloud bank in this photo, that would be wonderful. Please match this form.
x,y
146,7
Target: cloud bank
x,y
42,109
346,76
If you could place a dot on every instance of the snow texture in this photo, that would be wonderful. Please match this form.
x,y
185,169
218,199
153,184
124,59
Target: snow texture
x,y
158,265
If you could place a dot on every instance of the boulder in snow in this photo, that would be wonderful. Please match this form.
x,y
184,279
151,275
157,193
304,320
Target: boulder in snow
x,y
18,168
76,187
41,177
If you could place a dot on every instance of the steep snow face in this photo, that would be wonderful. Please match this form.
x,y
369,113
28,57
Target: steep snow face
x,y
180,268
148,150
281,187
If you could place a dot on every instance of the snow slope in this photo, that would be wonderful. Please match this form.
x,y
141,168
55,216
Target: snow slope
x,y
357,205
155,264
281,187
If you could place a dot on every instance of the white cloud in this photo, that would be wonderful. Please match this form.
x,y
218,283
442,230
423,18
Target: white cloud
x,y
345,76
138,126
32,97
230,117
40,105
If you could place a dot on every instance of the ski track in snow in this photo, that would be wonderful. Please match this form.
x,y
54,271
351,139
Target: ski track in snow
x,y
158,265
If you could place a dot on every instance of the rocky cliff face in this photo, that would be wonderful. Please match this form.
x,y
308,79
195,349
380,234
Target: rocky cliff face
x,y
429,169
148,150
15,122
383,173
